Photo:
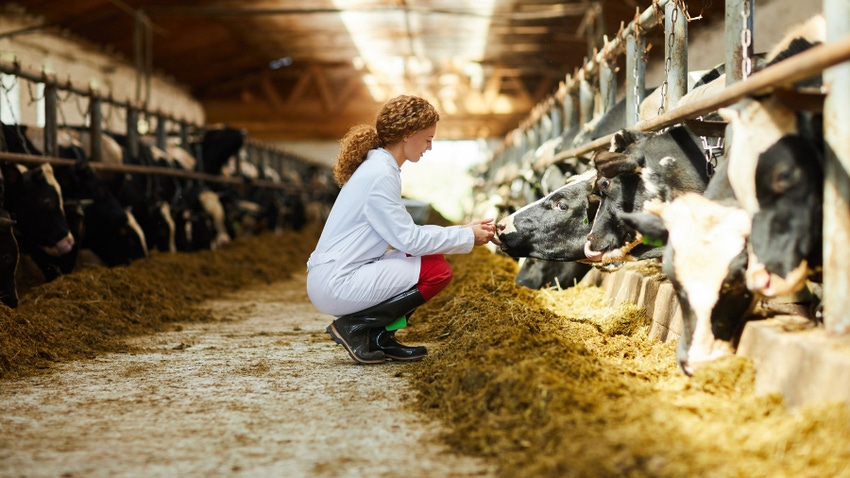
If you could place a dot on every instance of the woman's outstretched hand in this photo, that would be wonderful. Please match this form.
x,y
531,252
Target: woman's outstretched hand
x,y
484,230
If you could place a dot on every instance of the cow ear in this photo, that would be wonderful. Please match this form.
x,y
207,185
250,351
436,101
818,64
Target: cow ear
x,y
624,138
12,175
610,164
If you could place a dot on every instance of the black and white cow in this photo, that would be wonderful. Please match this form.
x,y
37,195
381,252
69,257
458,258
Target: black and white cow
x,y
555,227
640,167
778,176
705,259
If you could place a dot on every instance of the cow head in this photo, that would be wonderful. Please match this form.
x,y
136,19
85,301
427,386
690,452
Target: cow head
x,y
776,171
34,198
552,228
637,168
704,259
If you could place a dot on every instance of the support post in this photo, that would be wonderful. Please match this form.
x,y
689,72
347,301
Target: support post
x,y
739,27
836,200
676,53
96,128
635,77
133,131
51,131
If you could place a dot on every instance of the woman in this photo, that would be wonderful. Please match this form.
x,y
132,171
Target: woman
x,y
373,266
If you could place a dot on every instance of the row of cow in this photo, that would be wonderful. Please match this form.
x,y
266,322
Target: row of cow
x,y
729,233
50,213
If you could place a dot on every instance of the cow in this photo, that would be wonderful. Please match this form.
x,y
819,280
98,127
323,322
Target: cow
x,y
9,256
776,170
554,227
704,241
107,229
637,168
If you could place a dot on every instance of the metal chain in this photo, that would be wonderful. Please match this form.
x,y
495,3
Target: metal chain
x,y
638,55
669,60
746,41
711,151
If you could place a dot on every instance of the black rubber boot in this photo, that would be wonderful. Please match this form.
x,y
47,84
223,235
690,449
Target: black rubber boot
x,y
385,341
352,330
353,334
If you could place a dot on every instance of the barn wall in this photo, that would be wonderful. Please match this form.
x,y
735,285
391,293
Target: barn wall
x,y
321,152
85,65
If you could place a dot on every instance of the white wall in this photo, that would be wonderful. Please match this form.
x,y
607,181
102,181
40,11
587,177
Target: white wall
x,y
84,65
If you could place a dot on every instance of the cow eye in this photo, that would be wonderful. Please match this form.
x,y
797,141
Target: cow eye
x,y
786,178
604,183
561,205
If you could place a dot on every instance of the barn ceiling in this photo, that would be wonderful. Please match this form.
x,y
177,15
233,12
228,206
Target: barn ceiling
x,y
309,70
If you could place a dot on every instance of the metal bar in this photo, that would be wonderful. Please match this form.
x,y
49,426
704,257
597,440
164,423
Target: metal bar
x,y
607,85
798,67
734,29
138,169
635,77
836,201
557,117
585,100
571,116
161,132
676,49
133,131
96,129
51,127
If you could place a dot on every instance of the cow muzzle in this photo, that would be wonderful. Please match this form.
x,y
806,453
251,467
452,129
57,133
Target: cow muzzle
x,y
62,247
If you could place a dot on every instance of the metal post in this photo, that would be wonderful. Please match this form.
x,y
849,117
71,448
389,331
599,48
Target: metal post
x,y
607,85
739,22
635,77
96,129
676,49
836,200
50,123
161,132
133,131
571,116
586,100
556,116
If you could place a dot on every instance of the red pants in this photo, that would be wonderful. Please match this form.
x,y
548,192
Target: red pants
x,y
435,273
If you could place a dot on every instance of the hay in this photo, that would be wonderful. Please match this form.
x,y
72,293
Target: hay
x,y
92,310
553,383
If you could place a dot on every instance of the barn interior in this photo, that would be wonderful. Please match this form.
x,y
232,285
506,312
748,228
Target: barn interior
x,y
295,76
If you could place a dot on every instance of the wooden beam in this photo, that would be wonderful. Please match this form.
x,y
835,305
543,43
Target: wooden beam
x,y
301,86
322,86
271,92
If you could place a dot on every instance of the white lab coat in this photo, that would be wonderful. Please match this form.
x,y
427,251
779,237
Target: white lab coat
x,y
361,258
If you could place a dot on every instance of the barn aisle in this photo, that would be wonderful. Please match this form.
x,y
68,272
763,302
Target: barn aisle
x,y
262,392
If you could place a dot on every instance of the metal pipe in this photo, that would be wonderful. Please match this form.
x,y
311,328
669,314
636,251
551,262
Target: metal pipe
x,y
96,129
586,100
51,128
138,169
798,67
738,22
161,132
133,132
635,77
607,85
676,50
836,200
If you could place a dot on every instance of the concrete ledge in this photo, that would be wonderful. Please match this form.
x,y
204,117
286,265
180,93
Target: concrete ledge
x,y
791,357
806,366
630,284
